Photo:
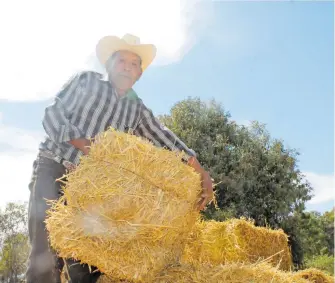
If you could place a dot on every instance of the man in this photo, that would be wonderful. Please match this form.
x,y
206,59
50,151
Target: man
x,y
87,105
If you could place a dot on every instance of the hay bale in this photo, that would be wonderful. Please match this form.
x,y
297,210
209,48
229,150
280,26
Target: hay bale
x,y
230,273
129,207
314,275
233,273
106,279
237,240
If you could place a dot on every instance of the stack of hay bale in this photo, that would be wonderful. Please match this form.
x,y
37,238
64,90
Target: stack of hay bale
x,y
129,209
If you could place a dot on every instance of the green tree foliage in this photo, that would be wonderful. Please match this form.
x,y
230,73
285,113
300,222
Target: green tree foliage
x,y
328,222
291,228
14,246
318,240
13,220
13,258
315,237
322,262
313,234
257,176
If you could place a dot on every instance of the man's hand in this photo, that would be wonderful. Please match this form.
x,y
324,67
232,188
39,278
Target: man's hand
x,y
81,144
206,182
207,190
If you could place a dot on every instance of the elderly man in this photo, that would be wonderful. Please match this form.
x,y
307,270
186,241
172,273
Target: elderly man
x,y
87,105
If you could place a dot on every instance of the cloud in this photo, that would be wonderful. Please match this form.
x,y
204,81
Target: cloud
x,y
19,140
45,42
323,186
16,169
18,149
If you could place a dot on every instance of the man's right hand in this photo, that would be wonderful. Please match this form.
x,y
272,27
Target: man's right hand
x,y
81,144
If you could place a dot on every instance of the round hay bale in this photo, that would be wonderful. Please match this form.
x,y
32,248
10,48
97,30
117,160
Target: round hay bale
x,y
129,206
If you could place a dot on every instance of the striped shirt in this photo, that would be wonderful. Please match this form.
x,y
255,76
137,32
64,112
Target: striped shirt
x,y
88,105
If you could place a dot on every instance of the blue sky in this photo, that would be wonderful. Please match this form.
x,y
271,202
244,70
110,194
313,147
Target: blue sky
x,y
266,61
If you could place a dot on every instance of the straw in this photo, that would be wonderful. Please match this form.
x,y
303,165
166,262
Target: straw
x,y
314,275
230,273
237,240
129,208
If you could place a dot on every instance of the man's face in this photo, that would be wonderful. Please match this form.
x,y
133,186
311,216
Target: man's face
x,y
124,69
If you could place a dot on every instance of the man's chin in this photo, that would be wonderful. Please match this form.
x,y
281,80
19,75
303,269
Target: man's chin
x,y
124,82
124,87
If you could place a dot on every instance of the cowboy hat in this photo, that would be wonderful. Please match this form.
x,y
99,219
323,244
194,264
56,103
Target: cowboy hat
x,y
108,45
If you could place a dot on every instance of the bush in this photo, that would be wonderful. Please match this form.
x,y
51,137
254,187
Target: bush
x,y
321,262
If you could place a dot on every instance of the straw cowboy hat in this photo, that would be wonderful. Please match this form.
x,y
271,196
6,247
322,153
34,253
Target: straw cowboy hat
x,y
110,44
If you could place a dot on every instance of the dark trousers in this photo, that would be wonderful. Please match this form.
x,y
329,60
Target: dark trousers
x,y
43,264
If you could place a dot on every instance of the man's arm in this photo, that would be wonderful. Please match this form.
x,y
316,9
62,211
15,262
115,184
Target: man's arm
x,y
56,121
150,128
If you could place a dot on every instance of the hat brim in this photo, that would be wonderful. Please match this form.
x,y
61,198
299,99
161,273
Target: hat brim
x,y
108,45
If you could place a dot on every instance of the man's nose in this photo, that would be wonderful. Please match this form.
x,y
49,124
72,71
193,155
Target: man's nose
x,y
127,66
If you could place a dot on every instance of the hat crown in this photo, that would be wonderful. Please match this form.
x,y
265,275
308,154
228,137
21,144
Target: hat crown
x,y
131,39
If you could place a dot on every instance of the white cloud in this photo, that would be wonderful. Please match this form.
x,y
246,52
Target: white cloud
x,y
45,42
16,163
19,139
323,186
16,169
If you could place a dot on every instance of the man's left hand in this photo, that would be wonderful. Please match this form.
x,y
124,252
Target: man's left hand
x,y
206,182
207,190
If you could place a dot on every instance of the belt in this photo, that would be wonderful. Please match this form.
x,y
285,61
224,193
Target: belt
x,y
67,164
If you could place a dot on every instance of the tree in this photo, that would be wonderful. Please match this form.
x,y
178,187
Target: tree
x,y
13,220
313,234
314,238
322,262
14,246
328,224
13,258
291,228
257,176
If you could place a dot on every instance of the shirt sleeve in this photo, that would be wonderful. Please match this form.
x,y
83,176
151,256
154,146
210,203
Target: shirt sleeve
x,y
56,120
149,127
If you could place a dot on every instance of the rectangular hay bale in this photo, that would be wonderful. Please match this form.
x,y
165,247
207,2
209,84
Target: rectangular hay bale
x,y
237,240
230,273
129,207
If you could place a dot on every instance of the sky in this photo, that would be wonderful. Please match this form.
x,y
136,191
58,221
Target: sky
x,y
270,61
